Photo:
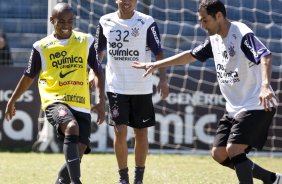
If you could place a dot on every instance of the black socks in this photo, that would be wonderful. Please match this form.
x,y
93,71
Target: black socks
x,y
63,176
243,168
260,173
123,175
139,173
71,153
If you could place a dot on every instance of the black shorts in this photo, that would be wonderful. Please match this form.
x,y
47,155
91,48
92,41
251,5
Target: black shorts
x,y
136,111
249,128
57,113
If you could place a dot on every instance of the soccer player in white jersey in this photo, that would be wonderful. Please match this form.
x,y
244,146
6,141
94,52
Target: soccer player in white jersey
x,y
243,65
128,36
61,60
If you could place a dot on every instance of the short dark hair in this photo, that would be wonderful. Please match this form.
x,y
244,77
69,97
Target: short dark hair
x,y
212,7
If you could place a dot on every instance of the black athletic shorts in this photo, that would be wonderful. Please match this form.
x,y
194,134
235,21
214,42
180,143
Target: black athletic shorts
x,y
57,113
249,127
136,111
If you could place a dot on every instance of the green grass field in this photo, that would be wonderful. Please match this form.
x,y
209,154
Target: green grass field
x,y
34,168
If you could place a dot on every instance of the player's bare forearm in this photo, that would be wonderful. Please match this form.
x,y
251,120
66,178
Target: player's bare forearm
x,y
178,59
99,108
266,69
100,85
162,71
24,83
101,55
163,87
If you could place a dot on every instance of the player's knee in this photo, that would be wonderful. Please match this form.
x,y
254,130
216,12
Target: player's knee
x,y
120,131
140,133
219,154
72,128
235,149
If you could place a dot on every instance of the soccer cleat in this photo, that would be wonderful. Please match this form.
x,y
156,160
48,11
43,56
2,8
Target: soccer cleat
x,y
278,179
138,182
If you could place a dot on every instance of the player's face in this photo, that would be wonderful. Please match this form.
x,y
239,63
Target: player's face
x,y
63,24
126,7
208,22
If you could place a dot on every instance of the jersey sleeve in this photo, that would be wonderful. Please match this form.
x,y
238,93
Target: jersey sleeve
x,y
93,60
34,64
203,51
153,38
100,39
253,48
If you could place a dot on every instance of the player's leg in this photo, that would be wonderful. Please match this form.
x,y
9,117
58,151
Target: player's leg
x,y
257,171
244,167
219,152
253,128
63,176
253,132
140,150
142,116
121,151
119,108
62,118
242,164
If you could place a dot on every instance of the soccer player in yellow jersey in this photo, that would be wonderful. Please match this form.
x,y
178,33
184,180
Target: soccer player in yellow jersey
x,y
61,60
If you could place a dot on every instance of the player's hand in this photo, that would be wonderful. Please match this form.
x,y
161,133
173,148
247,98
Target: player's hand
x,y
149,67
10,110
163,88
267,98
99,108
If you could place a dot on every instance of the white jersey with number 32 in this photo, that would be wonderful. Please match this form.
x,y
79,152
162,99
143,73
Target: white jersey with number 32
x,y
127,41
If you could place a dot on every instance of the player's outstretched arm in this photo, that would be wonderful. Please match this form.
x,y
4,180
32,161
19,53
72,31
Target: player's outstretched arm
x,y
178,59
24,83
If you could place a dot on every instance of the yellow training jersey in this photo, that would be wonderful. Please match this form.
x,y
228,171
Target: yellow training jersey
x,y
64,74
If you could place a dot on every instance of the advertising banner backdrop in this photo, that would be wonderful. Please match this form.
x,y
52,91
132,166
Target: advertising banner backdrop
x,y
21,131
186,120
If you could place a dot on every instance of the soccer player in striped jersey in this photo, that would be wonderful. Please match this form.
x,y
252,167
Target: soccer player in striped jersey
x,y
61,60
128,36
243,65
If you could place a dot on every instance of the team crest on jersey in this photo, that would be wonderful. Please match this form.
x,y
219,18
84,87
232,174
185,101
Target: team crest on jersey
x,y
135,32
62,112
115,112
231,51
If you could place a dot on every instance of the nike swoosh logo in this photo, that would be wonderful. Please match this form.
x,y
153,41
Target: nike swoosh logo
x,y
145,120
72,160
65,74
